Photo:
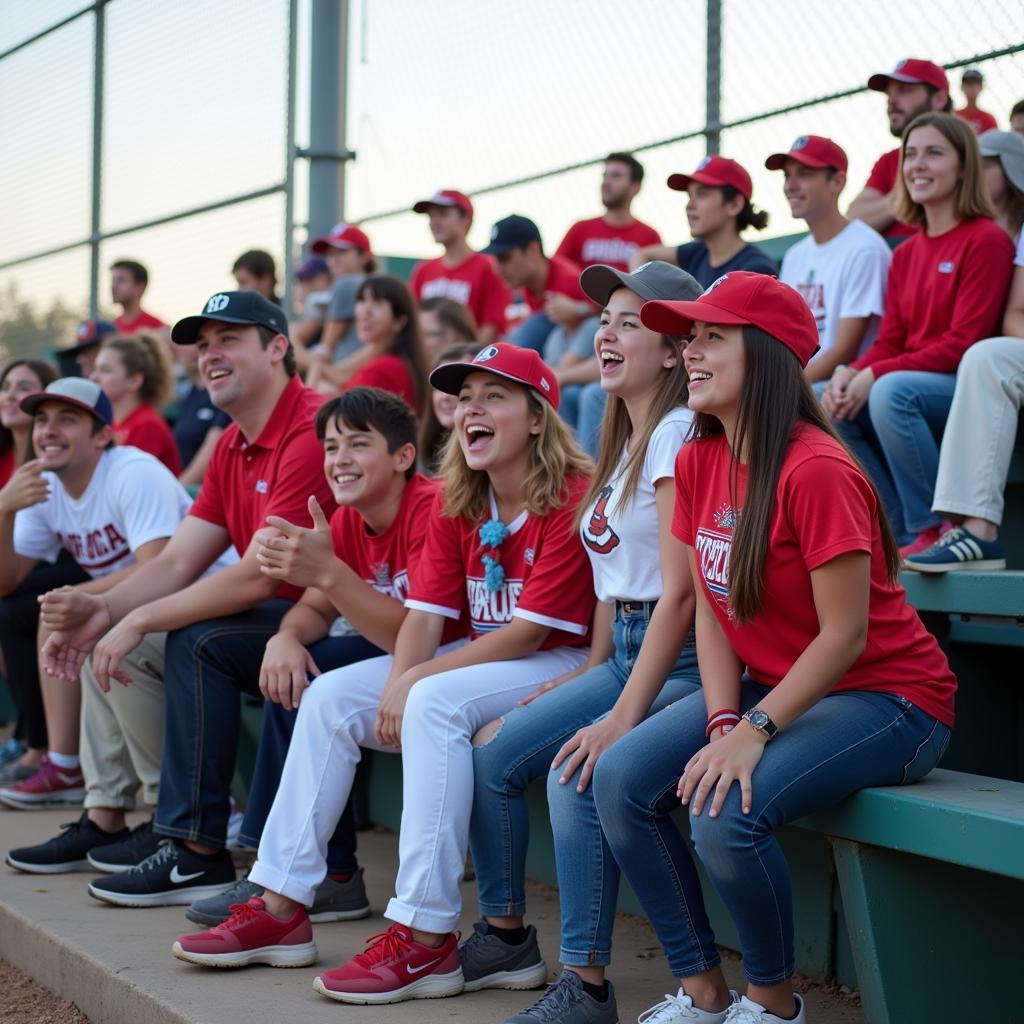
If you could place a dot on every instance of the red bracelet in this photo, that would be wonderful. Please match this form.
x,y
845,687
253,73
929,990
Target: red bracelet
x,y
721,718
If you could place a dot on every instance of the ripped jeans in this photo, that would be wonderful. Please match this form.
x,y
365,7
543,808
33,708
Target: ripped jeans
x,y
521,751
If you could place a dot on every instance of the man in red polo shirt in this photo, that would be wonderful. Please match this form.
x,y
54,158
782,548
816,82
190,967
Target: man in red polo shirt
x,y
128,281
268,462
463,275
913,87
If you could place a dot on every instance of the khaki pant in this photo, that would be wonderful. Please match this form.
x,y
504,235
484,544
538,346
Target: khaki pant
x,y
123,730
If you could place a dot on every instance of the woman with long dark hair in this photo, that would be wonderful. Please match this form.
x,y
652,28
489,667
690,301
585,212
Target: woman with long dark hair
x,y
818,677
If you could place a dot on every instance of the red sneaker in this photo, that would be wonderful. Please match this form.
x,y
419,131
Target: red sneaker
x,y
251,936
50,786
395,967
924,540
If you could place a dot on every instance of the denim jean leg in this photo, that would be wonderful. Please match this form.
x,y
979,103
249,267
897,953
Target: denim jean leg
x,y
591,414
533,332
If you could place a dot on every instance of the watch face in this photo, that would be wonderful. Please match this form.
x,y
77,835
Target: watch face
x,y
758,719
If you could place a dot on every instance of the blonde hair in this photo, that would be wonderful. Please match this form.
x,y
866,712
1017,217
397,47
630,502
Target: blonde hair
x,y
554,454
145,354
970,198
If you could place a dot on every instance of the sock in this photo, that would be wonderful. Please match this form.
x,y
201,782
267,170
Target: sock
x,y
513,936
341,876
598,992
66,761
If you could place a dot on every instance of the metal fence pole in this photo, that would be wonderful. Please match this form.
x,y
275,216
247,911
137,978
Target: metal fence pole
x,y
713,84
95,219
289,150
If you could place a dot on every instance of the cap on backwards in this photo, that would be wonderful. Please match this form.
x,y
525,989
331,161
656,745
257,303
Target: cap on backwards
x,y
241,307
922,72
522,365
811,151
445,197
743,297
76,391
342,236
717,171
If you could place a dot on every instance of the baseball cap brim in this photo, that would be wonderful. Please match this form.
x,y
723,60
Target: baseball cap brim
x,y
499,248
186,330
424,205
322,245
449,377
80,346
880,82
32,402
678,317
778,160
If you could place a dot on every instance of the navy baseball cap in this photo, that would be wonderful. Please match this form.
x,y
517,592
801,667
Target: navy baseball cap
x,y
240,307
76,391
310,268
89,333
514,232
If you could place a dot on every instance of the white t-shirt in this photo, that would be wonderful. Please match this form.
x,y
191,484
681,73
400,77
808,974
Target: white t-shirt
x,y
845,277
131,499
623,542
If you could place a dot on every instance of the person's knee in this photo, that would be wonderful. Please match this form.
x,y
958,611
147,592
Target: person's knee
x,y
719,840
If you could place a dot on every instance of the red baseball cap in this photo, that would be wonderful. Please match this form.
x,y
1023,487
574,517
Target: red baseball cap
x,y
715,170
445,197
811,151
518,364
742,297
343,236
911,70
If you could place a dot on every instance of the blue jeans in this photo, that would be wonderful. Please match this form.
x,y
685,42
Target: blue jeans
x,y
591,413
845,742
521,751
533,332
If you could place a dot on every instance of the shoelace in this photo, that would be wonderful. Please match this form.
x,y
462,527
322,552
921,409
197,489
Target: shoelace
x,y
668,1010
950,537
558,998
241,913
745,1012
387,945
168,851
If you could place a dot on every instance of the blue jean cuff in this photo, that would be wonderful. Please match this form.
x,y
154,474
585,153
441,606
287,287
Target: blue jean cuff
x,y
503,909
190,835
593,958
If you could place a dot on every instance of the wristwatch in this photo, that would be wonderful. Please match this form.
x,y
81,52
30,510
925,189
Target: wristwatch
x,y
761,722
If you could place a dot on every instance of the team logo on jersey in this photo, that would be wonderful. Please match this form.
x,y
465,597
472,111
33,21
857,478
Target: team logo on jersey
x,y
799,144
529,556
947,267
262,487
714,284
486,355
383,582
726,518
598,534
217,303
382,573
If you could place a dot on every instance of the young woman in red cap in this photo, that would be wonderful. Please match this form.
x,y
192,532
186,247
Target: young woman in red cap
x,y
502,558
818,677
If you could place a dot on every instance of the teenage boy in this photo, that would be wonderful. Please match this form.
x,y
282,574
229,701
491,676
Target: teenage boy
x,y
358,566
460,273
972,81
913,87
841,267
266,463
128,281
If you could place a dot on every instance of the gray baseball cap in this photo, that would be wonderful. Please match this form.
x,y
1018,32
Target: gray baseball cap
x,y
1009,148
654,280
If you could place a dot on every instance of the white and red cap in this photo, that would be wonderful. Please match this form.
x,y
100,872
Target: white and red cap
x,y
343,236
76,391
445,197
811,151
912,70
742,297
717,171
522,365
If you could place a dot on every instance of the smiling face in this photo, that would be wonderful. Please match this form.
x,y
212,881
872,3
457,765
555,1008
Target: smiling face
x,y
905,101
707,211
63,437
633,359
715,365
811,191
493,422
931,166
359,468
233,364
447,224
108,371
18,383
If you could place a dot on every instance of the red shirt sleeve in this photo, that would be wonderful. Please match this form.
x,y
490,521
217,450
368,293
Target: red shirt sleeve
x,y
570,248
438,583
388,373
682,510
300,474
415,282
883,174
495,298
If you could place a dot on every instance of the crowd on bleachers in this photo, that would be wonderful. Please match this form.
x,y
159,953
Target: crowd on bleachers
x,y
590,515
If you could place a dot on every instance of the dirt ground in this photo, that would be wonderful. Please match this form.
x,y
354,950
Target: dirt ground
x,y
22,1001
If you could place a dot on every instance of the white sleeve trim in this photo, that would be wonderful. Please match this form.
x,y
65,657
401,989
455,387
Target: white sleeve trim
x,y
434,609
546,620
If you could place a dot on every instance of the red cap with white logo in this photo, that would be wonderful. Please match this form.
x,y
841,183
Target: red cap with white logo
x,y
742,297
911,70
343,236
445,197
519,364
717,171
811,151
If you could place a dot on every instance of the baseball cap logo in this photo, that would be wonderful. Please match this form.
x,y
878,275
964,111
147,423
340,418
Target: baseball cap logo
x,y
494,233
487,355
714,284
544,384
217,303
643,267
799,144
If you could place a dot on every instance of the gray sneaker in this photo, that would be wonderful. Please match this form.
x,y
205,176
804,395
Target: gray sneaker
x,y
490,962
565,1002
217,908
12,774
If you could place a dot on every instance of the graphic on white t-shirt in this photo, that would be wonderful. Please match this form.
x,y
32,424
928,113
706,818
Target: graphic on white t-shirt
x,y
597,533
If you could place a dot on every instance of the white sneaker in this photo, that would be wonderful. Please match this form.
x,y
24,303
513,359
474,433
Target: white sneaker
x,y
746,1011
679,1008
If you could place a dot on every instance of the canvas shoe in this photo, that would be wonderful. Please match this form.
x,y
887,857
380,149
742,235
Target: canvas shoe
x,y
490,962
395,967
567,1002
958,549
47,786
139,844
251,936
171,877
679,1009
67,852
746,1011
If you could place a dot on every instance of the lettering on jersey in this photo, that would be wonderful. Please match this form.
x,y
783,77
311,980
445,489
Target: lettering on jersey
x,y
608,250
713,550
447,288
490,609
598,534
814,295
383,582
97,549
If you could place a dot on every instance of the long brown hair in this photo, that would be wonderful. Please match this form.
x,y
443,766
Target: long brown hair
x,y
145,354
433,434
47,374
775,397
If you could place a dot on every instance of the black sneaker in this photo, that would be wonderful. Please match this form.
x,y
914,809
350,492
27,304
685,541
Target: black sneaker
x,y
66,852
171,877
139,844
490,962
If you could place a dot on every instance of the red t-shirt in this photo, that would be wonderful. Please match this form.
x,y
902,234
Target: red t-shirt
x,y
145,428
140,323
474,282
387,560
563,279
596,241
547,574
389,373
980,120
883,179
272,476
826,507
6,466
944,294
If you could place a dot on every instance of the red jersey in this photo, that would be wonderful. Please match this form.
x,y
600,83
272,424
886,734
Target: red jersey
x,y
826,507
596,241
142,322
6,466
271,476
944,294
547,574
386,560
146,429
474,282
980,120
389,373
563,279
883,179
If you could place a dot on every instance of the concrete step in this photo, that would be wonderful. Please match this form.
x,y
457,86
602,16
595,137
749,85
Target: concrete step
x,y
116,964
